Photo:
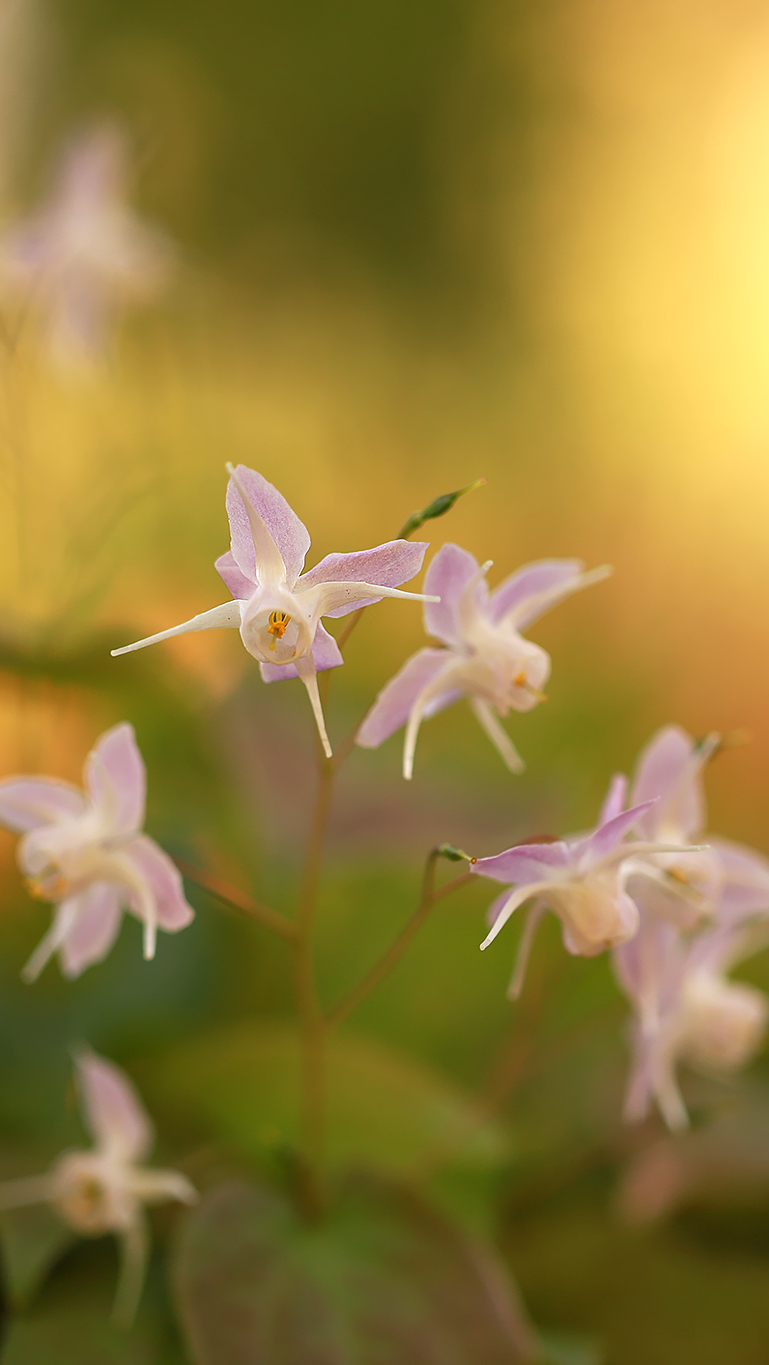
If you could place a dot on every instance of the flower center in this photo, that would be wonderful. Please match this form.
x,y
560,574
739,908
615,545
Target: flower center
x,y
49,886
276,626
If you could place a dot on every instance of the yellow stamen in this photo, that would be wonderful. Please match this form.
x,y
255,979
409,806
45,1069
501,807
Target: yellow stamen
x,y
522,681
46,888
678,875
277,626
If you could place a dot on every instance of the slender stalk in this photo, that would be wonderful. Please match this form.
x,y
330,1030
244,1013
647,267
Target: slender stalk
x,y
348,629
428,898
230,895
311,1024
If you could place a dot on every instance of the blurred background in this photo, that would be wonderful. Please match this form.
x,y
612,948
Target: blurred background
x,y
414,243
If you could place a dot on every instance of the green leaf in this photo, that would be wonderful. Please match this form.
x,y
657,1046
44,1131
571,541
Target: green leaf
x,y
32,1240
438,508
241,1085
383,1280
70,1324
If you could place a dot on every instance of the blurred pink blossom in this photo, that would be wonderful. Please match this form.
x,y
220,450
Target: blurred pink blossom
x,y
105,1189
485,657
86,251
674,971
85,852
277,608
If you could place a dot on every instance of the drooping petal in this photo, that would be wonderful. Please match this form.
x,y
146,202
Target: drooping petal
x,y
29,802
325,652
134,1254
289,534
164,879
239,585
529,609
449,573
390,564
227,616
94,928
614,800
393,704
542,575
112,1110
670,768
514,900
306,670
434,696
499,737
116,780
64,918
609,836
525,863
640,1087
533,921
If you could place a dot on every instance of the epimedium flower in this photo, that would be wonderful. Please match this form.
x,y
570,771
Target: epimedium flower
x,y
106,1188
85,251
675,972
484,655
687,1010
582,879
85,852
277,608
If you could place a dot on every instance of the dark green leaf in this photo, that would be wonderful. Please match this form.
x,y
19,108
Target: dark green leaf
x,y
32,1239
438,508
70,1324
384,1280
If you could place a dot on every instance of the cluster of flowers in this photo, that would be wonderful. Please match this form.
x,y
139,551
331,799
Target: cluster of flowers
x,y
676,912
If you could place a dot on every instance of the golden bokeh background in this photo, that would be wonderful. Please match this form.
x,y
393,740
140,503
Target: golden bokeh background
x,y
418,243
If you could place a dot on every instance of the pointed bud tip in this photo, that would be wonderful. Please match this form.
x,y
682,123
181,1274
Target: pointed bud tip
x,y
437,508
454,854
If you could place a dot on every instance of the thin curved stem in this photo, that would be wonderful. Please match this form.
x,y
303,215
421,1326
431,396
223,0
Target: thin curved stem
x,y
428,898
230,895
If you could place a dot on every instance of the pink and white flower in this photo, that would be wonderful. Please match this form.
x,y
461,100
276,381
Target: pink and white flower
x,y
485,657
86,251
277,608
84,851
701,913
106,1188
582,878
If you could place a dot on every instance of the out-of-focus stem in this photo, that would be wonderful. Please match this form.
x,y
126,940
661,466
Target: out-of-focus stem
x,y
394,953
231,895
311,1025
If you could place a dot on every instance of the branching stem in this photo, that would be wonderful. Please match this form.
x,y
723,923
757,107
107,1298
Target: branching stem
x,y
394,953
231,895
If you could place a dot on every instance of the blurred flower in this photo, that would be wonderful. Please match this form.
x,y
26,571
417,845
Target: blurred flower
x,y
85,251
85,852
581,878
105,1189
485,657
674,971
276,610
